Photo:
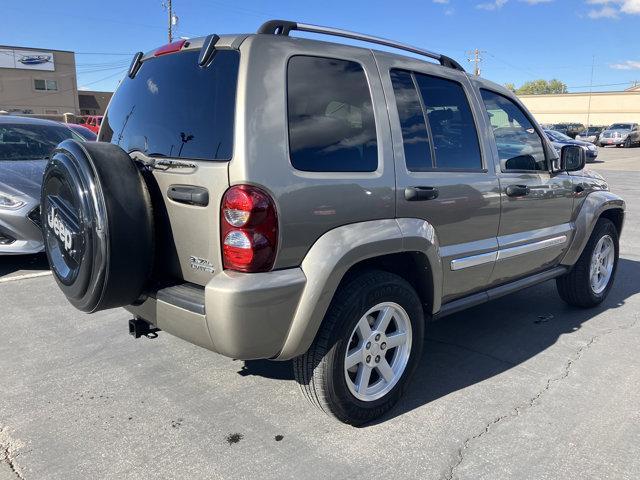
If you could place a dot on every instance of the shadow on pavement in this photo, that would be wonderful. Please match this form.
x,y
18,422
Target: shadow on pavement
x,y
22,263
484,341
474,345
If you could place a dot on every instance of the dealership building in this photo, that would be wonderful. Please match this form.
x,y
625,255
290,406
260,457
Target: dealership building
x,y
597,108
43,82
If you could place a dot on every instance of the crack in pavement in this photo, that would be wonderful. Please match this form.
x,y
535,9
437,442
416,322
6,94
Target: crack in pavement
x,y
518,409
7,446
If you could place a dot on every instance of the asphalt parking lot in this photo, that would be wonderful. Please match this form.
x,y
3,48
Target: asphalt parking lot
x,y
524,387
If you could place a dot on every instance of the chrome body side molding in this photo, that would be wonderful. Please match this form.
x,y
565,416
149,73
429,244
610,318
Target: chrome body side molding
x,y
502,254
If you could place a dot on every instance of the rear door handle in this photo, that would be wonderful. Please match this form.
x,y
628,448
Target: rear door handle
x,y
189,194
518,190
419,194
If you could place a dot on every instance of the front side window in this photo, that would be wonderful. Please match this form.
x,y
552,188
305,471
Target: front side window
x,y
331,122
520,148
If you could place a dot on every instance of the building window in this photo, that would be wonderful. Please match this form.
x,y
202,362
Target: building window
x,y
51,112
45,85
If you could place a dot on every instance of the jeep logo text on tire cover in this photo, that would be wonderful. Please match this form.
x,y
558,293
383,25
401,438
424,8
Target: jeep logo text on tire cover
x,y
59,229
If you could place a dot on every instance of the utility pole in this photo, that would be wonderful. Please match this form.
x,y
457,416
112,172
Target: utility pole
x,y
169,10
593,63
475,56
173,19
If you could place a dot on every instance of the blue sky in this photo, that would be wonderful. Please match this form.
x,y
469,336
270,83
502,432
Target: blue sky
x,y
521,39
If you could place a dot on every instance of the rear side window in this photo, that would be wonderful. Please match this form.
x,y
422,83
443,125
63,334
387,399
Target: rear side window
x,y
174,108
453,130
415,137
331,121
436,109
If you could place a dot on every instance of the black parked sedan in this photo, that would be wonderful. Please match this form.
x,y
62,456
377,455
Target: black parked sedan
x,y
560,139
25,146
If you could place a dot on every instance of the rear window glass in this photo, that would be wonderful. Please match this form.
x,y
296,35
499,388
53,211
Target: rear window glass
x,y
331,121
174,108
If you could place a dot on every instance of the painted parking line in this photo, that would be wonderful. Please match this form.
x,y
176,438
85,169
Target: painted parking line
x,y
25,277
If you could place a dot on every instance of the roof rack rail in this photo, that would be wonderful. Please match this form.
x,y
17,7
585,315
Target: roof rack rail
x,y
283,27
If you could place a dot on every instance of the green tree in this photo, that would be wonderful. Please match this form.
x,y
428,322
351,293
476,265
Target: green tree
x,y
510,86
540,87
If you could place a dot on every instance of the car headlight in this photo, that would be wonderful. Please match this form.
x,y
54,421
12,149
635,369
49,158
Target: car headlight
x,y
7,202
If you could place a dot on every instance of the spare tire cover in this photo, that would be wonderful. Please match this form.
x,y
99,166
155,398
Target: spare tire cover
x,y
97,225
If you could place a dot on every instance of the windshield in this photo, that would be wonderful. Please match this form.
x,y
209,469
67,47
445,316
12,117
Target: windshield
x,y
557,136
620,126
20,141
174,108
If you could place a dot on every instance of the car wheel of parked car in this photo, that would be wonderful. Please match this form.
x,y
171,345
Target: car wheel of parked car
x,y
367,348
627,143
591,278
97,225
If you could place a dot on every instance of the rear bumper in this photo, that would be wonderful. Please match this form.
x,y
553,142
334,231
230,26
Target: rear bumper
x,y
609,142
242,316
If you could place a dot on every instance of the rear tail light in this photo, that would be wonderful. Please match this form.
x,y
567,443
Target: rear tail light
x,y
249,229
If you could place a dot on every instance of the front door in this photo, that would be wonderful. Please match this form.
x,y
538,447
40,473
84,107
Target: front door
x,y
535,225
441,176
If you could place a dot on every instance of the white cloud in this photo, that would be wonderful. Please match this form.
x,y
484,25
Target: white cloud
x,y
613,8
535,2
493,5
441,1
627,65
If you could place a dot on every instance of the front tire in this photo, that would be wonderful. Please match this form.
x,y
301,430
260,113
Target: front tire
x,y
366,350
591,279
627,143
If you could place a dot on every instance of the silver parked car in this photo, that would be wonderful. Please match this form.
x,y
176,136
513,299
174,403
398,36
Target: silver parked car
x,y
621,135
270,197
25,147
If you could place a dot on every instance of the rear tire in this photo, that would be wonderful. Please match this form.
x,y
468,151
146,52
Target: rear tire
x,y
587,285
352,344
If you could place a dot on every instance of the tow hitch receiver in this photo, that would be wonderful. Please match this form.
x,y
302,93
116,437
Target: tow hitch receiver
x,y
141,328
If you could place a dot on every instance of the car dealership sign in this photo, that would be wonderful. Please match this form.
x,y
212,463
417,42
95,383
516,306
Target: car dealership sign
x,y
26,59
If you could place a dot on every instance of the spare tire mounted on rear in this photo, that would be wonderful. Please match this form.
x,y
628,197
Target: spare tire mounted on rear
x,y
97,225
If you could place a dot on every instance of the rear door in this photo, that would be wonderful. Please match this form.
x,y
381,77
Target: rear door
x,y
181,116
535,225
441,174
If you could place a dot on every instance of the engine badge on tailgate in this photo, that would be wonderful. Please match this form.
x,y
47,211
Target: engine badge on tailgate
x,y
200,264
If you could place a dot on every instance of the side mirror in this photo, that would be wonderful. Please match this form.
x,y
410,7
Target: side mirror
x,y
572,158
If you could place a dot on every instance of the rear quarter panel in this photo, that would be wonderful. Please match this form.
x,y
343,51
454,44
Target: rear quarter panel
x,y
308,203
